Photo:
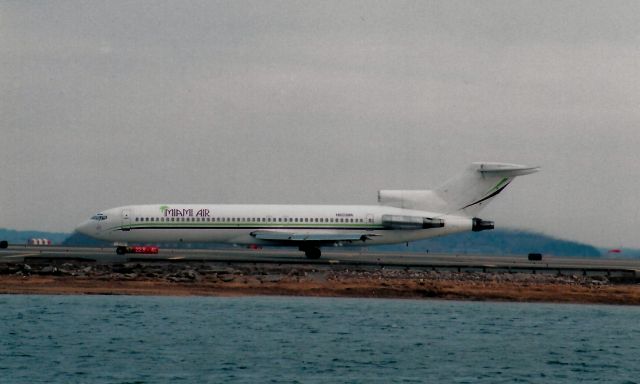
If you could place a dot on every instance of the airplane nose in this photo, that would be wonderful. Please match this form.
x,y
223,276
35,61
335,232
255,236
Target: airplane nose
x,y
83,228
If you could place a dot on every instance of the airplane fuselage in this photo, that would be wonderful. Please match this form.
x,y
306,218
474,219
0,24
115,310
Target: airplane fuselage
x,y
239,223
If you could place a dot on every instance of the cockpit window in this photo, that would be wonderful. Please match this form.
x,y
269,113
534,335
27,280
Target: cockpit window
x,y
99,217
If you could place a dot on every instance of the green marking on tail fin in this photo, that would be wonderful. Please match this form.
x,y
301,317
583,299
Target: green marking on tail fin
x,y
499,185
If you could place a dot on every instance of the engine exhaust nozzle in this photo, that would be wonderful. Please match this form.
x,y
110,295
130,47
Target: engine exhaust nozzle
x,y
481,225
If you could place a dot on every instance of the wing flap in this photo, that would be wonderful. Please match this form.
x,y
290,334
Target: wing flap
x,y
314,237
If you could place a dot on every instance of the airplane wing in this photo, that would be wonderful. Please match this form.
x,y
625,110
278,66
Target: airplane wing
x,y
293,237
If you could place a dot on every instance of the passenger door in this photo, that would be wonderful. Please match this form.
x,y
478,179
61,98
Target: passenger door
x,y
369,218
126,219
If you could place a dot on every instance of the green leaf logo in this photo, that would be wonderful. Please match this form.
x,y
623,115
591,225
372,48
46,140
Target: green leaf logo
x,y
163,208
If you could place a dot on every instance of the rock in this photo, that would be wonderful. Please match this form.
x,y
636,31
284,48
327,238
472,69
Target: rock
x,y
176,279
189,274
270,278
227,278
224,271
122,268
49,269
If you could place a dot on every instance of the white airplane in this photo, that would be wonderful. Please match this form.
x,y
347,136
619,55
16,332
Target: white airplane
x,y
400,216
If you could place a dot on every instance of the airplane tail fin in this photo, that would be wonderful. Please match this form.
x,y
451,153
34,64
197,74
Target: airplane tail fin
x,y
465,194
472,190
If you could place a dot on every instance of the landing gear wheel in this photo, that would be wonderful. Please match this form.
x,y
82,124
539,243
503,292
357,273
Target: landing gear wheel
x,y
121,250
312,253
4,244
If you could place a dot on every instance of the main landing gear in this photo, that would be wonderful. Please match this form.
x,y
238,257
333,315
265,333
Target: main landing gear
x,y
311,252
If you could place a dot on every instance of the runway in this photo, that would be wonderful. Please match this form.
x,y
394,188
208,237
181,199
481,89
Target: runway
x,y
344,257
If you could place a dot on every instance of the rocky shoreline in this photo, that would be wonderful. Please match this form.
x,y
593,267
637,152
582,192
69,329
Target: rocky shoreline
x,y
235,279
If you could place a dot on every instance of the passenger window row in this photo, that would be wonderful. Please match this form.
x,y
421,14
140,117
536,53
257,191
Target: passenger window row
x,y
252,219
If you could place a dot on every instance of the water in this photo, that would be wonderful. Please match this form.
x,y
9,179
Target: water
x,y
124,339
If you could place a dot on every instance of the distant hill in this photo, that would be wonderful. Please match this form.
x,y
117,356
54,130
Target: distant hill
x,y
496,242
21,237
79,240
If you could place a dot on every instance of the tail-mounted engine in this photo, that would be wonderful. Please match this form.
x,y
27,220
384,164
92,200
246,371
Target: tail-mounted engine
x,y
410,222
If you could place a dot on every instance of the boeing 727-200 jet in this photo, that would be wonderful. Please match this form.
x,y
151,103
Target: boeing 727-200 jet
x,y
400,216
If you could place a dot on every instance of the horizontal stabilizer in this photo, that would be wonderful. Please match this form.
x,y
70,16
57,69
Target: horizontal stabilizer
x,y
506,170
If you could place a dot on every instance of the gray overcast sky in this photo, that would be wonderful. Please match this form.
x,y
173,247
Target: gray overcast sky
x,y
120,102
